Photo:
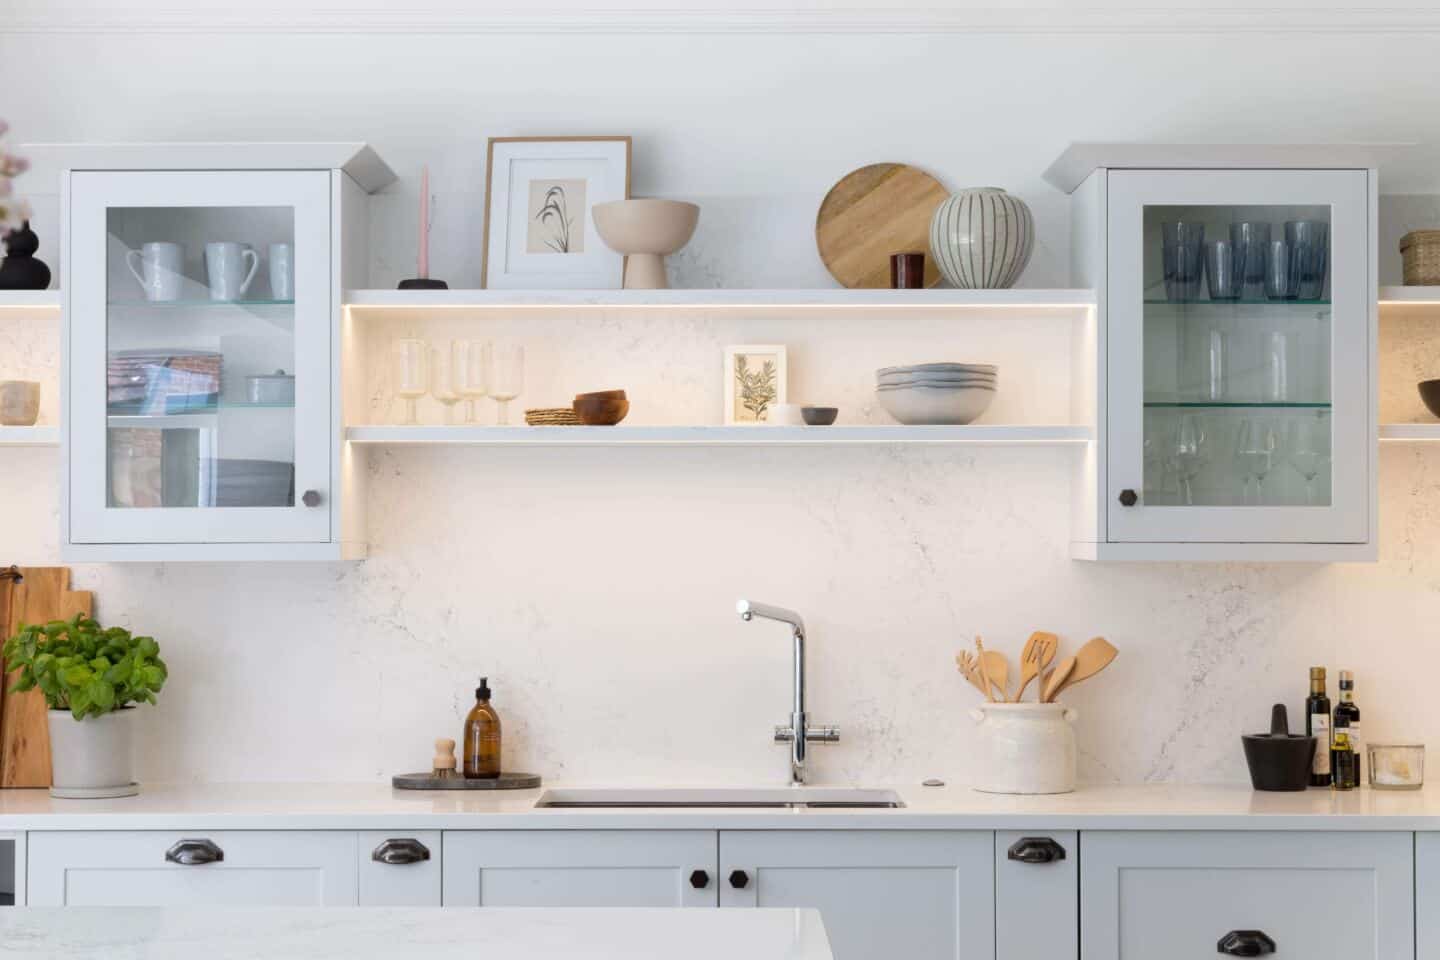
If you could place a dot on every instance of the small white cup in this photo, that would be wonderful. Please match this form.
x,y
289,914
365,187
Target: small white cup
x,y
160,269
787,415
282,271
225,266
19,402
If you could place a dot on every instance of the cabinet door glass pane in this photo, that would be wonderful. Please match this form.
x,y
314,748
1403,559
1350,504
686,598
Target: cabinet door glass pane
x,y
200,357
1237,356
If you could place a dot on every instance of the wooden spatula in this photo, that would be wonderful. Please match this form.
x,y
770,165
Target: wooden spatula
x,y
1036,656
1055,679
1089,660
970,668
994,670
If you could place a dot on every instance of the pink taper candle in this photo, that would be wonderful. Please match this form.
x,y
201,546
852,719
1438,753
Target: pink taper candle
x,y
423,265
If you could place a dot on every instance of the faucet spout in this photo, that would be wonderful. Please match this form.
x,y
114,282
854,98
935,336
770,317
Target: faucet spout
x,y
798,733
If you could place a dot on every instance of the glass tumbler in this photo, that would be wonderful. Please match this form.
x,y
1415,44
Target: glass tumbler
x,y
1309,256
1224,273
1182,252
1279,282
1251,240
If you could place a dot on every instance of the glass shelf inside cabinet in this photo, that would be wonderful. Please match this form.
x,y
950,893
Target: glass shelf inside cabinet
x,y
1218,304
180,410
171,304
1234,405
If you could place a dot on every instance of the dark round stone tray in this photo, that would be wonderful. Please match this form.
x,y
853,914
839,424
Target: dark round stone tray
x,y
426,781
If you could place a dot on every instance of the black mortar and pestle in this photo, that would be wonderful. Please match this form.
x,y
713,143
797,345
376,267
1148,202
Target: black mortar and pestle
x,y
1279,760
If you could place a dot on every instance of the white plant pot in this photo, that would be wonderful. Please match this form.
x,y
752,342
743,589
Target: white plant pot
x,y
94,756
1025,748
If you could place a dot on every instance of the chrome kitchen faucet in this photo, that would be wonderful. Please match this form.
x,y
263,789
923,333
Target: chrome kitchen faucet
x,y
798,732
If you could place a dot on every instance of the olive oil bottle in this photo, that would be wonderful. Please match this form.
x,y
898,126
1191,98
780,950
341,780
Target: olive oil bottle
x,y
1345,736
482,737
1317,725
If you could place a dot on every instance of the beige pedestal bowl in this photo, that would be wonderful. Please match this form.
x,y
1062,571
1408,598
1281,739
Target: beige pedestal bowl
x,y
646,231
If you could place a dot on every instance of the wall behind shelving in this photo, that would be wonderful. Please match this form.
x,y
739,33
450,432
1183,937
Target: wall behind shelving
x,y
595,587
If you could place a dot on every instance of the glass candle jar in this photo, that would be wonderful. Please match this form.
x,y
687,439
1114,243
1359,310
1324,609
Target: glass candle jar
x,y
1397,766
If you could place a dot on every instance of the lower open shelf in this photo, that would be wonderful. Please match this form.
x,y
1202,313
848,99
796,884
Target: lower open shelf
x,y
29,436
994,434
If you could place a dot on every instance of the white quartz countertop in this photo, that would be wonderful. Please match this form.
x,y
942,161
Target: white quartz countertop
x,y
367,806
345,933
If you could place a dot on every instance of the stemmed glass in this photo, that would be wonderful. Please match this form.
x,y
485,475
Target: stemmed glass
x,y
411,375
506,363
444,382
1308,444
472,373
1256,449
1190,454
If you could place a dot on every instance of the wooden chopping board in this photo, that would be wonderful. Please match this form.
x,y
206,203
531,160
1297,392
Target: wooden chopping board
x,y
873,212
42,595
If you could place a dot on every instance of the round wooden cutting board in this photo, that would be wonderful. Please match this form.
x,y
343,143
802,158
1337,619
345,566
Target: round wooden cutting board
x,y
873,212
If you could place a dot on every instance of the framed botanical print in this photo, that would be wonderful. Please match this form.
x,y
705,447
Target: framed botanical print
x,y
754,382
539,234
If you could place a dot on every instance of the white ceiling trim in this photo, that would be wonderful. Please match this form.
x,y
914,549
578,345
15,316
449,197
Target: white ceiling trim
x,y
1046,21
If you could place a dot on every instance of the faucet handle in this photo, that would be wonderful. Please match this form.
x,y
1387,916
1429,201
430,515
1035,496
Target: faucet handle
x,y
829,733
784,733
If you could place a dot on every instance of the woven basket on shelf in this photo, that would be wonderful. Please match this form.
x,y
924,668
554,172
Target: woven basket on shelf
x,y
1420,250
552,417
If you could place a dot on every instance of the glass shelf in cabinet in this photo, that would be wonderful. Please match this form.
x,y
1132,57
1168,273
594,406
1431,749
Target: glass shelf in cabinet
x,y
1162,302
1235,405
171,304
136,411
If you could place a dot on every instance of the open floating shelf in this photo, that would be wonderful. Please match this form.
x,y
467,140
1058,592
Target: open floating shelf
x,y
29,436
30,299
719,436
944,299
1409,295
1410,431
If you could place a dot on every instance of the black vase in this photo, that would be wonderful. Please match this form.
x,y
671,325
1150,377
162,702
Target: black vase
x,y
20,270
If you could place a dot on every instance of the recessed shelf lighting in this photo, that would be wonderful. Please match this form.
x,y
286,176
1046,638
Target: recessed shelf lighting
x,y
981,434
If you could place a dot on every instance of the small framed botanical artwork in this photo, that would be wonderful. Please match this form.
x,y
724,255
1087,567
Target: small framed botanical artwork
x,y
754,382
539,234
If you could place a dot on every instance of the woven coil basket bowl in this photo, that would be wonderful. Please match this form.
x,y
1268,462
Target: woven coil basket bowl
x,y
1420,250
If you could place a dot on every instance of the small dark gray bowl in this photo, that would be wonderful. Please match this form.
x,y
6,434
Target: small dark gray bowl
x,y
819,416
1430,393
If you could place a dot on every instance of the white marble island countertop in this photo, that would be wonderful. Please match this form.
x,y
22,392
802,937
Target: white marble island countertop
x,y
370,806
80,933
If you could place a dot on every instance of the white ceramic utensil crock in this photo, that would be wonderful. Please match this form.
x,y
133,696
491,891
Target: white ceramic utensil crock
x,y
1025,748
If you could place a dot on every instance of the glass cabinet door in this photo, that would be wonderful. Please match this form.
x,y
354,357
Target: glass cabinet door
x,y
1238,349
199,370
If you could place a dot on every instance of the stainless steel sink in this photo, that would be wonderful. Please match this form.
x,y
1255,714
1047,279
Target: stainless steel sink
x,y
815,798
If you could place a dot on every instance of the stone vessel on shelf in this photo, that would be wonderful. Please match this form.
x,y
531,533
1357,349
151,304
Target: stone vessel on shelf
x,y
646,231
982,238
20,270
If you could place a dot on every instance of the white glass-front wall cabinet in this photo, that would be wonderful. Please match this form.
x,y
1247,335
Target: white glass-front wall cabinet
x,y
203,330
1235,408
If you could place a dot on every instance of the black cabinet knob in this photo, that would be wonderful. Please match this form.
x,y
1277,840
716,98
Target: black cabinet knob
x,y
193,853
1245,943
1035,850
699,879
739,879
1128,498
311,498
401,852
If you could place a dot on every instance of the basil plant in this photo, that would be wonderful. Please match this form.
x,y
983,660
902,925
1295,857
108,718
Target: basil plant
x,y
85,668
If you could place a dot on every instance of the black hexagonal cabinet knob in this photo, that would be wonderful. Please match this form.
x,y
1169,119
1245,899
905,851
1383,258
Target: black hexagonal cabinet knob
x,y
1128,498
699,879
739,879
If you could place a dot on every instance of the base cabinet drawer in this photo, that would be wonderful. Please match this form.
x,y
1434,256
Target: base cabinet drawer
x,y
1037,895
399,869
241,868
1292,896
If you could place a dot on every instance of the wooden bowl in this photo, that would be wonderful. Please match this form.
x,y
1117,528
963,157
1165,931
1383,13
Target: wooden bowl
x,y
603,409
1430,394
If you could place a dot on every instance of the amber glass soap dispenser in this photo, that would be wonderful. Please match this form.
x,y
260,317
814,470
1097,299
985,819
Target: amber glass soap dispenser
x,y
482,736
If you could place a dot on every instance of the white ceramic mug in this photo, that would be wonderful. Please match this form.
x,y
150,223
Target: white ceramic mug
x,y
282,271
160,269
225,266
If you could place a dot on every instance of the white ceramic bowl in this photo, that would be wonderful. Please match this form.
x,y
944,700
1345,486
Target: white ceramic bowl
x,y
940,368
942,380
919,405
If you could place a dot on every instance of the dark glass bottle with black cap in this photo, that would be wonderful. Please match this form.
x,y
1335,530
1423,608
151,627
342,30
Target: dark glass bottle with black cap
x,y
482,737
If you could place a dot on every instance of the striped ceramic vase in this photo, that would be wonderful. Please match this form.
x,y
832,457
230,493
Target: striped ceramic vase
x,y
982,238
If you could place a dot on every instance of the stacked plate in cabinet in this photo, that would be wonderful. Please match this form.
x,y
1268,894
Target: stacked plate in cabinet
x,y
936,393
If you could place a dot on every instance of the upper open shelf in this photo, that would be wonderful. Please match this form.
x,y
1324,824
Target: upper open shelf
x,y
943,299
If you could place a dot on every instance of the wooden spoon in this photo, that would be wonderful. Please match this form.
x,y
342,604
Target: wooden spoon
x,y
994,669
984,674
965,660
1055,679
1039,649
1089,660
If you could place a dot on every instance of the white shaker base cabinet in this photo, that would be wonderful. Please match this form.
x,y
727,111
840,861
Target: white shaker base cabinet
x,y
580,868
1037,874
911,894
398,869
212,868
1316,896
